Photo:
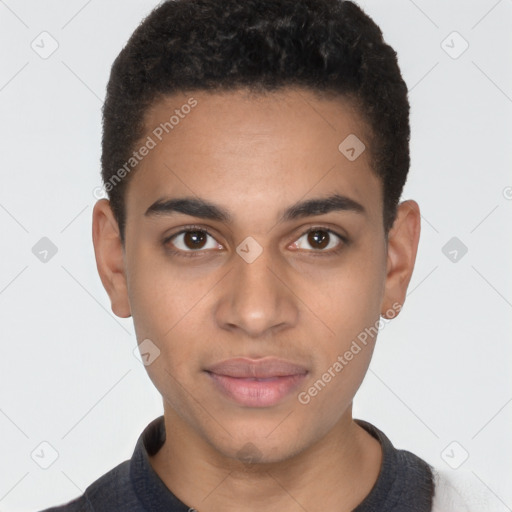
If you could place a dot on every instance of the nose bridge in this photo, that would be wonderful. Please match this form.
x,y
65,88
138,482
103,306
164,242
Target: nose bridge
x,y
256,299
255,276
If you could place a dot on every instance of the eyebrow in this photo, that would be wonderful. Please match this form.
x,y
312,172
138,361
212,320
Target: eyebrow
x,y
201,208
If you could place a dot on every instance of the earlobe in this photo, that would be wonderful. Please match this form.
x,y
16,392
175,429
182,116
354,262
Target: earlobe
x,y
403,242
108,251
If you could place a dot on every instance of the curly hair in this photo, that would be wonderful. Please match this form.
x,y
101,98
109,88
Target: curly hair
x,y
325,46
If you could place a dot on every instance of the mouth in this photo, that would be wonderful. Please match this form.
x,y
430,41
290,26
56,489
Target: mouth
x,y
256,382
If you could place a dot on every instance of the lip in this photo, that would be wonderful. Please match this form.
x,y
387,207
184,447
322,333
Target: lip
x,y
256,383
263,368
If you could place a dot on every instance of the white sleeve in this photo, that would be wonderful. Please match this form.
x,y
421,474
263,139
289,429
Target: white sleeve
x,y
461,492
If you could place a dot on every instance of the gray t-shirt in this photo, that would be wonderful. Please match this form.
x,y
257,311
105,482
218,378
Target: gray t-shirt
x,y
405,482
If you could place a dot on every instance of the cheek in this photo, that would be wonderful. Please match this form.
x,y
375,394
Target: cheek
x,y
168,323
331,391
161,295
342,359
165,317
170,309
349,299
350,307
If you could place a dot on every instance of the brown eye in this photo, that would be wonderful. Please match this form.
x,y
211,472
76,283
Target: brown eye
x,y
318,239
321,240
191,240
194,239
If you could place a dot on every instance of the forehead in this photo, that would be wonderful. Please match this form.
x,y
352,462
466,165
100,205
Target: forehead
x,y
240,147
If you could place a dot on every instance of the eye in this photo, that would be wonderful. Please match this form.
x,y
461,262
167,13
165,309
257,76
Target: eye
x,y
191,240
322,240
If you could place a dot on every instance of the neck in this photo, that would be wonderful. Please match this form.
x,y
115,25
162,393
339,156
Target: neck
x,y
338,471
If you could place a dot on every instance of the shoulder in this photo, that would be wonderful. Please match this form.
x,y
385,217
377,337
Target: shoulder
x,y
111,489
404,483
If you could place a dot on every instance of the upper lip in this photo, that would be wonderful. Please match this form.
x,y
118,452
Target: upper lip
x,y
257,368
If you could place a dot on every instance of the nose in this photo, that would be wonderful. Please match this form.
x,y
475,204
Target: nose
x,y
257,298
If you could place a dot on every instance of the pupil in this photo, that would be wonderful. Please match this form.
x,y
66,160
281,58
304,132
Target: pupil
x,y
195,237
318,237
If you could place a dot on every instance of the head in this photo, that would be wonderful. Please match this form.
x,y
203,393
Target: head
x,y
277,133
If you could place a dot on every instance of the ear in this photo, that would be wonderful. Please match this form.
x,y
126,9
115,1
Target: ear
x,y
109,254
403,239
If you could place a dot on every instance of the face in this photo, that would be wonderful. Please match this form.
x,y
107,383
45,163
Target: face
x,y
255,258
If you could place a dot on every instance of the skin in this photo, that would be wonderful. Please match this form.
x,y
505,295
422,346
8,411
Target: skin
x,y
256,156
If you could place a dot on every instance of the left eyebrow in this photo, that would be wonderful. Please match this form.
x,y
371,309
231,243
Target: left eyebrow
x,y
320,206
201,208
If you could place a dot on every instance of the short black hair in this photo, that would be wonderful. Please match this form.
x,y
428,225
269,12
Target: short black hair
x,y
325,46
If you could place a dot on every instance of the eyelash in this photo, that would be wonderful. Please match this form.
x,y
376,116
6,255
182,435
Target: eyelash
x,y
195,254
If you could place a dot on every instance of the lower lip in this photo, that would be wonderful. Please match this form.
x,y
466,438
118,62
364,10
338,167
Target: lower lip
x,y
257,393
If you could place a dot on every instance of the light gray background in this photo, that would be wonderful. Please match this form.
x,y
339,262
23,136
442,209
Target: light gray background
x,y
68,376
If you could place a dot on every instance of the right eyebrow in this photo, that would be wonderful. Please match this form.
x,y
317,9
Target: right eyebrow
x,y
189,206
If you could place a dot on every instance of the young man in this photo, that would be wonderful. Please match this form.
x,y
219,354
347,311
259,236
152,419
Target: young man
x,y
254,154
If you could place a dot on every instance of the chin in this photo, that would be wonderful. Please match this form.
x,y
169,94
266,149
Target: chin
x,y
253,451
